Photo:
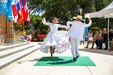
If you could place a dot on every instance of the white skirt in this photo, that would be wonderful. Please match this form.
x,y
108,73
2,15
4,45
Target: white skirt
x,y
58,40
91,38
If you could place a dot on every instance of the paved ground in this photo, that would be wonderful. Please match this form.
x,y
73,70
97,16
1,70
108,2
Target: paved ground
x,y
102,58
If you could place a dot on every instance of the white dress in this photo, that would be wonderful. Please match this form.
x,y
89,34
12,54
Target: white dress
x,y
55,38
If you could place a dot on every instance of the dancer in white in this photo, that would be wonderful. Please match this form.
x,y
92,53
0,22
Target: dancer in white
x,y
76,33
52,43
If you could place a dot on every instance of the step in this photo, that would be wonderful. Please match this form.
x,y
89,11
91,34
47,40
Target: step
x,y
12,58
6,47
11,51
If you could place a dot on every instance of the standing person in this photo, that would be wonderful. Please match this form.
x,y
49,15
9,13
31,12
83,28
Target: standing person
x,y
54,38
76,34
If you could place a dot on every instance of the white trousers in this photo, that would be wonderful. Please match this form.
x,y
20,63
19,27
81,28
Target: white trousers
x,y
74,46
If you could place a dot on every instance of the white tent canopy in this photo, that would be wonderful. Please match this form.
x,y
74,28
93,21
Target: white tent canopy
x,y
107,12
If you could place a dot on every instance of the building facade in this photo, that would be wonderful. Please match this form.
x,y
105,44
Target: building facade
x,y
6,30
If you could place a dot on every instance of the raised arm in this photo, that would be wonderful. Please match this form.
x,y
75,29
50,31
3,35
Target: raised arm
x,y
89,24
62,26
69,24
45,23
90,21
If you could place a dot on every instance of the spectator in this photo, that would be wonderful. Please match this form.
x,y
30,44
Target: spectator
x,y
111,34
105,38
111,39
90,35
95,39
111,45
99,40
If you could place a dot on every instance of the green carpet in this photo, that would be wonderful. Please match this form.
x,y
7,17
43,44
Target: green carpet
x,y
65,61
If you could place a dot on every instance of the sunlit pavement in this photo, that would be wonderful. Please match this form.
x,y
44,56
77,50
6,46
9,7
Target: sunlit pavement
x,y
102,58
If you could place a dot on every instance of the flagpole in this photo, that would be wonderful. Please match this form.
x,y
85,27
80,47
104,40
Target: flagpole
x,y
108,35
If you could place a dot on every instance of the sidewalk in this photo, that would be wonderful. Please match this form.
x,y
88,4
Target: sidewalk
x,y
102,58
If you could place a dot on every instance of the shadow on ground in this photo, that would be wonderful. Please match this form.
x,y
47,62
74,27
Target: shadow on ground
x,y
36,59
106,52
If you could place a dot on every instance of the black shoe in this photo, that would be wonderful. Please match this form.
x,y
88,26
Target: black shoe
x,y
74,59
105,48
77,57
99,48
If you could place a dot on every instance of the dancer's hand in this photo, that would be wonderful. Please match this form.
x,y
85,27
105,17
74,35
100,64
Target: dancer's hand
x,y
43,18
87,16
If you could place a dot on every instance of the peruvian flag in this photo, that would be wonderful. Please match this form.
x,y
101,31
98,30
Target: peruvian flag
x,y
25,10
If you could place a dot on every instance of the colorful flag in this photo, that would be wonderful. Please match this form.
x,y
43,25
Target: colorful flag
x,y
17,13
16,10
25,10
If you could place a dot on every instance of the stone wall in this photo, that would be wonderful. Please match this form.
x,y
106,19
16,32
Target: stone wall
x,y
7,34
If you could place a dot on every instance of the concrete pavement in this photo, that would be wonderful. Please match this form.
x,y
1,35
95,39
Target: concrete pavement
x,y
102,58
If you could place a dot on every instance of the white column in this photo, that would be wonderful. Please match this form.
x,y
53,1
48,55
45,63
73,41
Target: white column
x,y
108,34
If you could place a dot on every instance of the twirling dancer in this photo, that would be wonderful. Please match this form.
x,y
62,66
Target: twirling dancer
x,y
54,40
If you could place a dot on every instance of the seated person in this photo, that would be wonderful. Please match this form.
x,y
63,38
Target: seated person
x,y
111,45
90,36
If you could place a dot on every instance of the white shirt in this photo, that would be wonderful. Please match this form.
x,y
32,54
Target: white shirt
x,y
53,27
77,29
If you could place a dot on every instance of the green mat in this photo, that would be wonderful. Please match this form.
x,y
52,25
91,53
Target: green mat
x,y
65,61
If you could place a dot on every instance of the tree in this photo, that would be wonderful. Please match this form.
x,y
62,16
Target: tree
x,y
63,9
35,6
39,28
101,23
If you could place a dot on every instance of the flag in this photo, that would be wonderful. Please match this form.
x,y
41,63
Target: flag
x,y
17,13
25,10
3,7
9,10
26,15
16,10
20,17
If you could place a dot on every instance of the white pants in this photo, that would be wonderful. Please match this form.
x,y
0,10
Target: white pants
x,y
74,46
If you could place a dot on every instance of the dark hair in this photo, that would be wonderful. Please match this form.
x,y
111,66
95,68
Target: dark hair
x,y
52,18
